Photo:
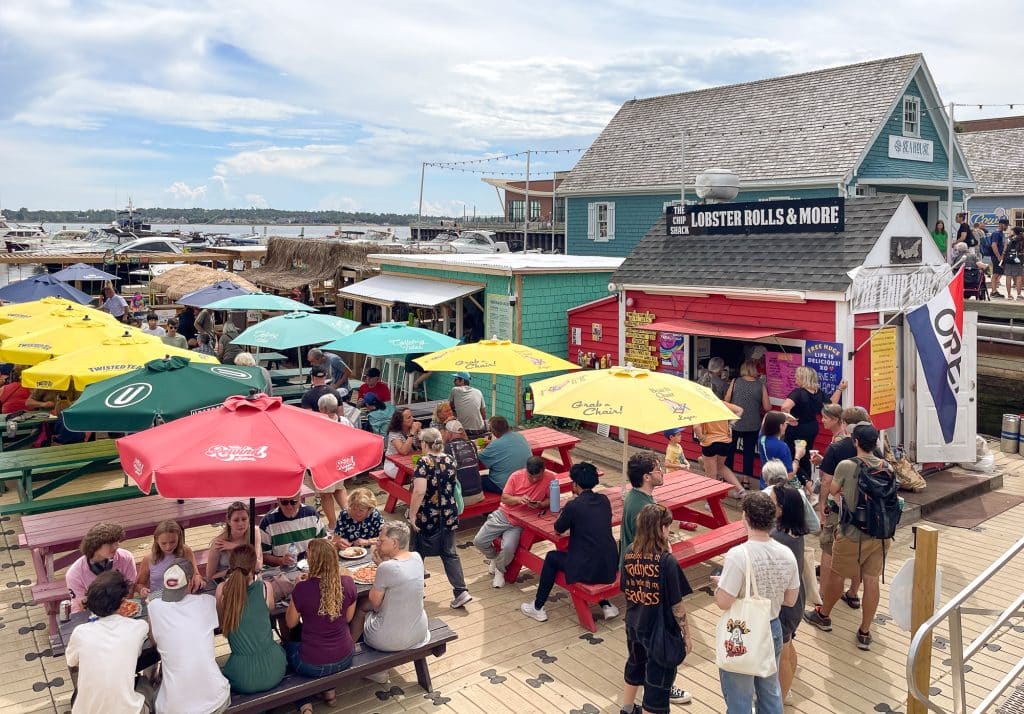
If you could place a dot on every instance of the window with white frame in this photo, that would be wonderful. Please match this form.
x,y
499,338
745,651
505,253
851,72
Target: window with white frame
x,y
1017,217
911,116
601,221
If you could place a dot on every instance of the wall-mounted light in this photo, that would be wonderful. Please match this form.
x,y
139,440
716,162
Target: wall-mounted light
x,y
630,302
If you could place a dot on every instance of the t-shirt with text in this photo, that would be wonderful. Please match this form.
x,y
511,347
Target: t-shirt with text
x,y
773,569
641,586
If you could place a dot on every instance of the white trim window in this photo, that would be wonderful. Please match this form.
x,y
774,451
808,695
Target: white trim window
x,y
1017,217
601,221
912,117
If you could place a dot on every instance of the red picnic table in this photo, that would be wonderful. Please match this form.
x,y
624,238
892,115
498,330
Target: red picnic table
x,y
681,490
54,538
540,439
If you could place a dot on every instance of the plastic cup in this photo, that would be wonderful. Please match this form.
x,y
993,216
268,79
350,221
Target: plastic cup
x,y
800,444
416,458
481,442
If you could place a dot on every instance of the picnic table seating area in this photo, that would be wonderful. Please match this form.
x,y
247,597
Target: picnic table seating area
x,y
61,464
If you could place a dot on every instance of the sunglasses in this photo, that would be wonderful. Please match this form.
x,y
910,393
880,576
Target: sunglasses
x,y
289,501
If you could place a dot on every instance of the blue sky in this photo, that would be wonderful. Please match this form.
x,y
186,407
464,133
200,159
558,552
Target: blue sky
x,y
330,105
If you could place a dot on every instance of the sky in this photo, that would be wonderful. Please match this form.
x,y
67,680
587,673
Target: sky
x,y
335,106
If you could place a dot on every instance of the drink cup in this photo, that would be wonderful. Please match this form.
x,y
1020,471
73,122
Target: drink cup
x,y
416,459
800,444
481,442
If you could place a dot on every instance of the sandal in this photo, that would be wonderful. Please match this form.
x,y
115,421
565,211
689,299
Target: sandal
x,y
306,709
745,482
330,697
852,600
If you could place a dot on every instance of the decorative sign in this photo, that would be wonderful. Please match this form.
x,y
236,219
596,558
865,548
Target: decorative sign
x,y
883,371
672,352
902,147
905,250
780,371
811,215
702,347
825,358
499,316
883,290
641,345
596,331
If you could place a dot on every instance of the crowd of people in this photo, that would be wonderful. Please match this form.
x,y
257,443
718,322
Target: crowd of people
x,y
985,255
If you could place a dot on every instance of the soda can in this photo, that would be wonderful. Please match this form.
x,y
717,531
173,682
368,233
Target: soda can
x,y
65,610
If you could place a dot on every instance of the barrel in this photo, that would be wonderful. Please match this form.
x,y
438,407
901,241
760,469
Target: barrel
x,y
1009,434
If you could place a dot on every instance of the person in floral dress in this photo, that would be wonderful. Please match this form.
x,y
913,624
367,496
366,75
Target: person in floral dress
x,y
433,514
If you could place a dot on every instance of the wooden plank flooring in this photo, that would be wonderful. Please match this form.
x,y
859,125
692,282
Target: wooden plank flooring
x,y
504,662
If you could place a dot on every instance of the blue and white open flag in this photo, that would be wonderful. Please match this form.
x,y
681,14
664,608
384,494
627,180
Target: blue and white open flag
x,y
938,328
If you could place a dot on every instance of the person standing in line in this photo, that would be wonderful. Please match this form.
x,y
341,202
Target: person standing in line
x,y
803,405
645,474
716,447
996,247
790,529
1013,263
941,237
963,231
651,581
468,404
749,394
775,571
433,514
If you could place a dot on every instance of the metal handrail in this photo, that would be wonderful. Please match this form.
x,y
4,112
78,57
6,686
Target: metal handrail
x,y
953,610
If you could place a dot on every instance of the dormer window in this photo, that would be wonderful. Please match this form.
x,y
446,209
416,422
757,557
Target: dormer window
x,y
912,117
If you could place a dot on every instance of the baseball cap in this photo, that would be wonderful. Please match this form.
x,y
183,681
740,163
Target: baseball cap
x,y
453,425
318,372
176,580
371,399
462,375
672,432
1004,221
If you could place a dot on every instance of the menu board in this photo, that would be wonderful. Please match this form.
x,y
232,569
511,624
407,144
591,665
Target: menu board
x,y
883,371
641,345
825,358
780,372
498,316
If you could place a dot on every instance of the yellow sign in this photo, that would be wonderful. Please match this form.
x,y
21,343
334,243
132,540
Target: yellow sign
x,y
641,345
883,371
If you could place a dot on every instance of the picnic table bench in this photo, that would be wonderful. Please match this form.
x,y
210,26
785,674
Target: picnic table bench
x,y
681,490
64,462
26,430
54,542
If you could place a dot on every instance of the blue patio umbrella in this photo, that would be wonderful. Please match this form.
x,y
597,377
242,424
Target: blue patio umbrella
x,y
82,272
212,293
41,286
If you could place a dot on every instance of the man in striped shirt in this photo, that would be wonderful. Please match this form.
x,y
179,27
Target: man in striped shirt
x,y
291,522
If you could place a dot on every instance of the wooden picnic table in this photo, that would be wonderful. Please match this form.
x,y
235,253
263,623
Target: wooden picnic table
x,y
539,438
681,490
73,459
27,429
54,542
270,357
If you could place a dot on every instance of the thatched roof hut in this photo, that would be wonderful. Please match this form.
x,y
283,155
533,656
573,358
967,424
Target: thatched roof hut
x,y
297,262
184,279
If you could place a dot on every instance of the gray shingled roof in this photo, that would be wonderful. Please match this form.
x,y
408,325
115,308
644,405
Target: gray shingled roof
x,y
796,261
995,158
801,126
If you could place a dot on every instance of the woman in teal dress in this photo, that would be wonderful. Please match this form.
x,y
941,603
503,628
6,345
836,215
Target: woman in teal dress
x,y
257,663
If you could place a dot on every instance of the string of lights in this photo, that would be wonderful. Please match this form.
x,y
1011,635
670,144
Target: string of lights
x,y
502,157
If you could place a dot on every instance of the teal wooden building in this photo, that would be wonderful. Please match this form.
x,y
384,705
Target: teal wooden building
x,y
860,130
523,297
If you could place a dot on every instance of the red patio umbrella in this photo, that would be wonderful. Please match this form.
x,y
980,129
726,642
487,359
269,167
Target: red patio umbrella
x,y
248,447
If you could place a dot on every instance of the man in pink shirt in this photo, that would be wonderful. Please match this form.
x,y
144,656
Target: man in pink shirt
x,y
526,490
101,552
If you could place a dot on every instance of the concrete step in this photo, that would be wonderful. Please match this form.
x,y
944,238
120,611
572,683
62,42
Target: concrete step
x,y
945,488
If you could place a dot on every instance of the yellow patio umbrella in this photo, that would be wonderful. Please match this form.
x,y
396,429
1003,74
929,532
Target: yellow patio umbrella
x,y
61,337
56,317
629,398
45,306
494,357
105,359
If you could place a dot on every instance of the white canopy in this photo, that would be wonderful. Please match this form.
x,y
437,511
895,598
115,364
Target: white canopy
x,y
420,292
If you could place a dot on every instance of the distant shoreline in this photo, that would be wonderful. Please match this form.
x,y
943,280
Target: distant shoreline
x,y
217,216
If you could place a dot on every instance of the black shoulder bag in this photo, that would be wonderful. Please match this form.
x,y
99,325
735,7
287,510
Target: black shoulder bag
x,y
666,647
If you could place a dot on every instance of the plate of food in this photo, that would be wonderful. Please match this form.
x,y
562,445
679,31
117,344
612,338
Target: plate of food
x,y
353,552
365,574
131,607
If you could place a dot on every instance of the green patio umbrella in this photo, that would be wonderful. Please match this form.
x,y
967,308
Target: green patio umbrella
x,y
260,301
392,338
163,390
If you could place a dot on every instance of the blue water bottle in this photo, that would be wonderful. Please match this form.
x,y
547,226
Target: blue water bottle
x,y
556,496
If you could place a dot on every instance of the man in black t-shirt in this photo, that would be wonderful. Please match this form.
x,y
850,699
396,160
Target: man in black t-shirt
x,y
963,231
319,388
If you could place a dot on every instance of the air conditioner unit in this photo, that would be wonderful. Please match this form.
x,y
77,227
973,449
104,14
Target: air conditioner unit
x,y
866,191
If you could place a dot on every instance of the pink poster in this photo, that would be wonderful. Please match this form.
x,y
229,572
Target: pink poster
x,y
780,371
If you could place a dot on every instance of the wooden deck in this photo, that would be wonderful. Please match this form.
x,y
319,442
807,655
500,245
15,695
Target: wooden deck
x,y
504,662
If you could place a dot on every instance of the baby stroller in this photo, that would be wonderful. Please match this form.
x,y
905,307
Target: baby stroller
x,y
975,282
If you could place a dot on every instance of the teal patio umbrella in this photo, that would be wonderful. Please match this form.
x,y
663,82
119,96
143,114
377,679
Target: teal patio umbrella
x,y
261,301
163,390
296,329
392,338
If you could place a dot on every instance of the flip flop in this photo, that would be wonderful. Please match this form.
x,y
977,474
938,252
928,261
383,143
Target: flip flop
x,y
852,600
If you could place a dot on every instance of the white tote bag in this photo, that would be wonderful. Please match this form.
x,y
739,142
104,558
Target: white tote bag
x,y
743,640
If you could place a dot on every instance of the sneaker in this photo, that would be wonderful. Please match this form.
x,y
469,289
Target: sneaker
x,y
609,611
997,294
529,610
490,568
378,677
814,617
635,709
863,640
499,579
460,600
679,696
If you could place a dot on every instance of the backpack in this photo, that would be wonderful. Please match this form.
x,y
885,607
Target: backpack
x,y
972,276
986,244
877,512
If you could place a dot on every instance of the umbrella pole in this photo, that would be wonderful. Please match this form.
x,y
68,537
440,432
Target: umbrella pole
x,y
494,394
625,449
252,521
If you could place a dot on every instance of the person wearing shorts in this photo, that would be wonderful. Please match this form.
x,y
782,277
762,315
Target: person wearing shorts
x,y
716,446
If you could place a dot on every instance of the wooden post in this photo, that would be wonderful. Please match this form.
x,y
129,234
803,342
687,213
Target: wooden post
x,y
923,607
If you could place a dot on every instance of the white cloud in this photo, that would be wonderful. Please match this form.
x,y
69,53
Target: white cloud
x,y
187,195
256,200
313,163
337,202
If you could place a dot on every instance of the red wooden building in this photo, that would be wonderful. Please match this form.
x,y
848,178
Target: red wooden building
x,y
830,300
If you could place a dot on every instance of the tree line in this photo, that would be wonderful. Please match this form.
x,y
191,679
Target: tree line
x,y
243,216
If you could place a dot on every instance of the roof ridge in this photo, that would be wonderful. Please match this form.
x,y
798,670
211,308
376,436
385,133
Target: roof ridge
x,y
778,78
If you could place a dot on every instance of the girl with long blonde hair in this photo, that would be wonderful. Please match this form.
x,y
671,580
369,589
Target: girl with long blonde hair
x,y
324,602
257,663
168,544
